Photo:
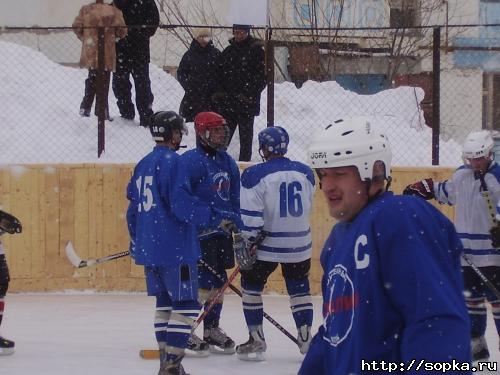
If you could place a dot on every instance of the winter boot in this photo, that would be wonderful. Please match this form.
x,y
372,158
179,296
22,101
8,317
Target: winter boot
x,y
84,112
254,349
196,347
304,338
479,348
218,341
6,346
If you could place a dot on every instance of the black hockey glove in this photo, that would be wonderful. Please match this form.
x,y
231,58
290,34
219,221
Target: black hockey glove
x,y
9,223
495,236
423,189
244,252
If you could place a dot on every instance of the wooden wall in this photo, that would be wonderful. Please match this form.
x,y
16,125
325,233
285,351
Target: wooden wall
x,y
86,204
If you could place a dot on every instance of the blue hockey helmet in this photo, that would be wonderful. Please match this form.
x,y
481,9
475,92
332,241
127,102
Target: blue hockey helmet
x,y
274,140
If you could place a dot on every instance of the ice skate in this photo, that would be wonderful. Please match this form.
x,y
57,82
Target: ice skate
x,y
254,349
171,367
6,346
219,342
196,347
304,338
480,350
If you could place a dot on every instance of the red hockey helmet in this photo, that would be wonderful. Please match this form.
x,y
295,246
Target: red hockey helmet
x,y
212,130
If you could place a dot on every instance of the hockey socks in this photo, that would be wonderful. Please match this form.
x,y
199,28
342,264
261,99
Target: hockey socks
x,y
253,307
300,301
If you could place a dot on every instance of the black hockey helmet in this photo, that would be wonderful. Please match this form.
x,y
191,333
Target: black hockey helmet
x,y
164,122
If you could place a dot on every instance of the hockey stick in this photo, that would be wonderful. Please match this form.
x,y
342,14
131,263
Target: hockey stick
x,y
78,262
481,275
487,197
238,292
258,240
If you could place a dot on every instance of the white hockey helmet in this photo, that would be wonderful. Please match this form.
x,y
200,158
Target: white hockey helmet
x,y
477,145
350,142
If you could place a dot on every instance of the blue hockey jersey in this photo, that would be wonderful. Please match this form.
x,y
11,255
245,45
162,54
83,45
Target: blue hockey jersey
x,y
207,183
276,197
392,291
158,237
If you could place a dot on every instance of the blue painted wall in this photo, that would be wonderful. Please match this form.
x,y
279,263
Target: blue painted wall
x,y
356,13
489,13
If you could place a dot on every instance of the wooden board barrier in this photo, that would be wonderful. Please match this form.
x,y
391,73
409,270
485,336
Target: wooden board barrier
x,y
86,203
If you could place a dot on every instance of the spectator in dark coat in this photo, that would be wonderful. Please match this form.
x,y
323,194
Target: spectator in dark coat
x,y
132,53
197,75
242,77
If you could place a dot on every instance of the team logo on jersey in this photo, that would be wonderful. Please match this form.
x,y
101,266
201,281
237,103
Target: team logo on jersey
x,y
221,184
339,307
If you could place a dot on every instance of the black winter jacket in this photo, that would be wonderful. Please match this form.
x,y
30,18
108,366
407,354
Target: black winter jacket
x,y
197,74
242,76
135,46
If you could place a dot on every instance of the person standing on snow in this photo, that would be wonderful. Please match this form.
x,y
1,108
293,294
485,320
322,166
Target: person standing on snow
x,y
197,75
474,190
133,57
241,79
276,199
85,26
392,288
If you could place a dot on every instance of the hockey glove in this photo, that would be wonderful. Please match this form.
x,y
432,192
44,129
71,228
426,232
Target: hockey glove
x,y
423,188
230,222
244,252
495,236
9,223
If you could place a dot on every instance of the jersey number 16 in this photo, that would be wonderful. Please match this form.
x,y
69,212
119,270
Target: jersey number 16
x,y
290,199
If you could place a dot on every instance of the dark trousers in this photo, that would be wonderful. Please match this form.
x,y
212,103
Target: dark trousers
x,y
91,89
122,89
244,122
4,282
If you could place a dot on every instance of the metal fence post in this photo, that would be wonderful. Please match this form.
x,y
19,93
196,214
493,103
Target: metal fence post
x,y
101,96
436,94
270,77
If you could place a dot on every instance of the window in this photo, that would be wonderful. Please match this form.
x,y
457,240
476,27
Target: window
x,y
404,13
491,101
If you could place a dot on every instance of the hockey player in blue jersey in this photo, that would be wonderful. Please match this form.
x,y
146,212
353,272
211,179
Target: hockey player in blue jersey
x,y
8,224
392,288
474,190
167,247
276,198
208,193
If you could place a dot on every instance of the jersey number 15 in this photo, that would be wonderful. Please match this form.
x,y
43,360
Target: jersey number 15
x,y
147,194
290,199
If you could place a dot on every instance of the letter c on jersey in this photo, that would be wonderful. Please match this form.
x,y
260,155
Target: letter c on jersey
x,y
365,261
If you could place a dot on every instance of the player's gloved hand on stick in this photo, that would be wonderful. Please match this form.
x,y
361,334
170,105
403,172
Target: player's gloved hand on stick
x,y
495,236
244,252
9,223
423,188
229,222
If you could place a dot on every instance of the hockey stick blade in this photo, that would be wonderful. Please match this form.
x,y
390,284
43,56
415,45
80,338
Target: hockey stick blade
x,y
80,263
74,259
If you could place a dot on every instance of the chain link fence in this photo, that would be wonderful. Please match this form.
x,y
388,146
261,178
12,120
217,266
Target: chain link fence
x,y
401,79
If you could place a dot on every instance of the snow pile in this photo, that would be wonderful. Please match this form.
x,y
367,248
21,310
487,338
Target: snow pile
x,y
40,122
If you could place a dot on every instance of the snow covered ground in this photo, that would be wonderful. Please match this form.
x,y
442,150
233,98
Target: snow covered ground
x,y
101,334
